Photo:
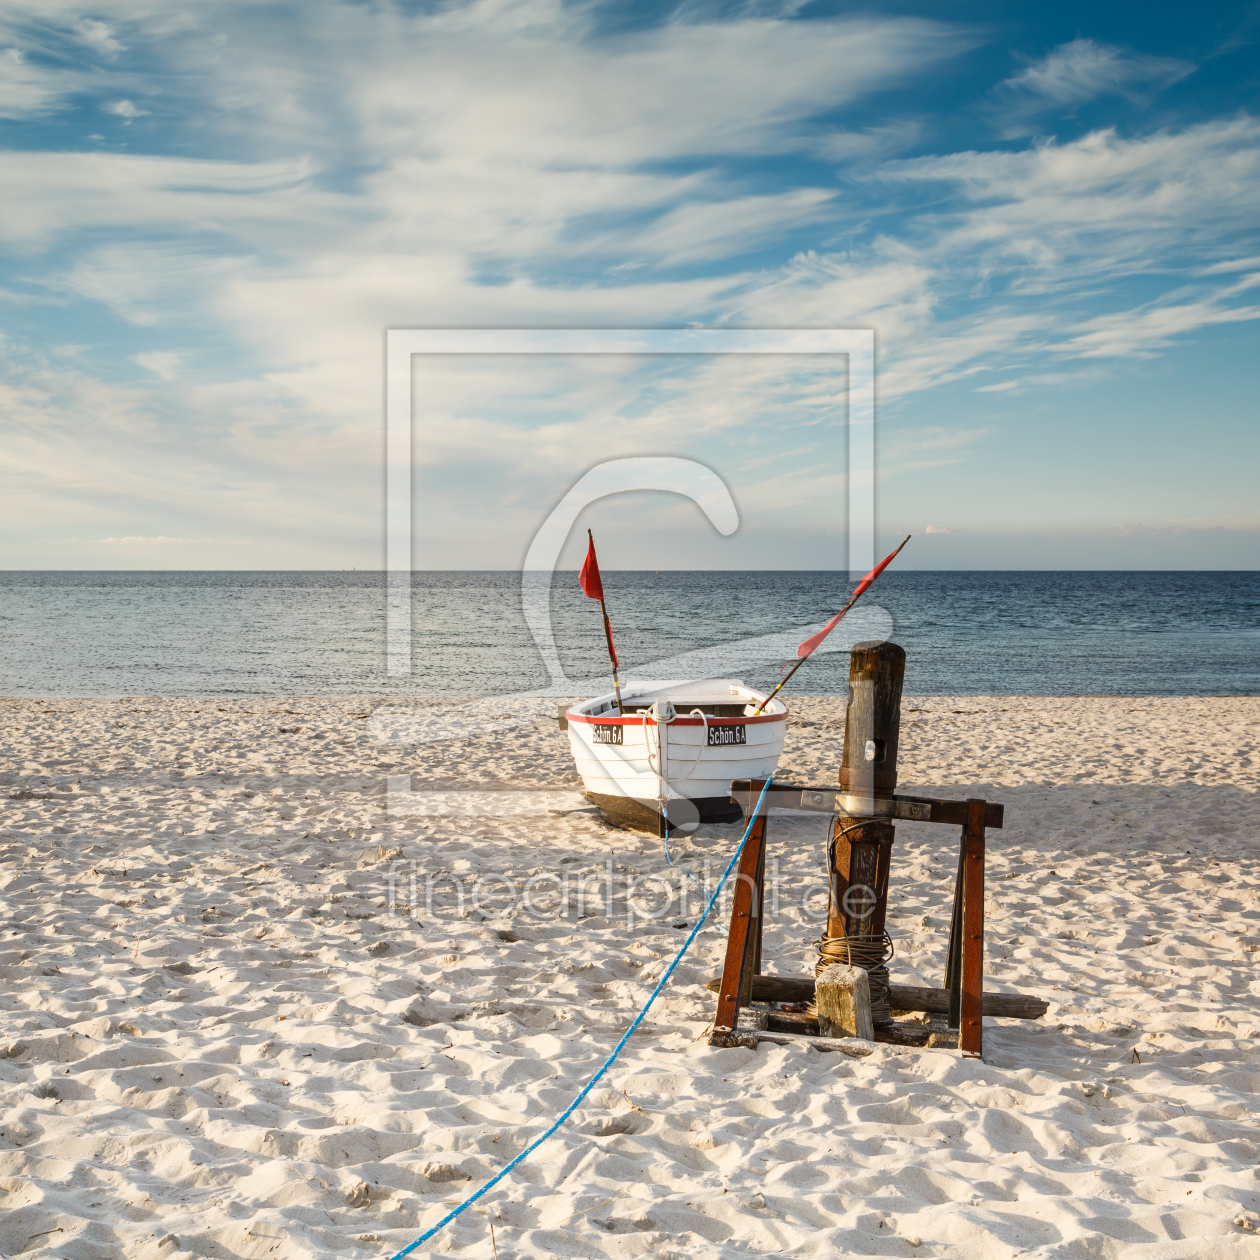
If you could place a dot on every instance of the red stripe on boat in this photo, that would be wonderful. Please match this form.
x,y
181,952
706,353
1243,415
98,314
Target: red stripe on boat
x,y
637,720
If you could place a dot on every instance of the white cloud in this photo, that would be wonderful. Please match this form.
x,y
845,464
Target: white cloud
x,y
133,462
509,164
41,67
98,35
872,142
1236,264
314,314
1083,69
26,89
697,231
1139,333
927,447
51,194
164,364
1047,231
1100,203
125,110
560,92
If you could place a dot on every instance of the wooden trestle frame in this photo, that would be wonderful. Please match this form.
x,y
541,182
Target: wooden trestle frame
x,y
964,973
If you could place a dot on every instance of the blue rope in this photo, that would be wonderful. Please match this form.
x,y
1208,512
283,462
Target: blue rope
x,y
608,1062
695,879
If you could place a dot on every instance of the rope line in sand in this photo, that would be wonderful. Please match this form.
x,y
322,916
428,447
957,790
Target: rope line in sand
x,y
670,860
608,1062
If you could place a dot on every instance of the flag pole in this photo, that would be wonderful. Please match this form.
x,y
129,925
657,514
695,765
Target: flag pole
x,y
612,655
861,590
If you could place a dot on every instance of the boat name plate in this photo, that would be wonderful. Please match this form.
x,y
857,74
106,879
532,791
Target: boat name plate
x,y
607,733
724,736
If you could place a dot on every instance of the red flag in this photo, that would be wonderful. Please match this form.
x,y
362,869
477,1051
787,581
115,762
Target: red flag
x,y
811,643
593,587
588,578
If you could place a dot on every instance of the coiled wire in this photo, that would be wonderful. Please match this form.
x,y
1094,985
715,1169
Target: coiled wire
x,y
872,954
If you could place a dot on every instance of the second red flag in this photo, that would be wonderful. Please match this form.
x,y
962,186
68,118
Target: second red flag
x,y
589,576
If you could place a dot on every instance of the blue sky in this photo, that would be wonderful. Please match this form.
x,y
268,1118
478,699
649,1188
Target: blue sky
x,y
212,212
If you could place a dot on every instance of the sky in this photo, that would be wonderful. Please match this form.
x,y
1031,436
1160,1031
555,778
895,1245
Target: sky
x,y
211,213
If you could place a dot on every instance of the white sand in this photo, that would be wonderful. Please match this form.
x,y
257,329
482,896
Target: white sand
x,y
216,1040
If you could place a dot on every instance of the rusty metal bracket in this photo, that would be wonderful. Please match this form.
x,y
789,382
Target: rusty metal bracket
x,y
971,1023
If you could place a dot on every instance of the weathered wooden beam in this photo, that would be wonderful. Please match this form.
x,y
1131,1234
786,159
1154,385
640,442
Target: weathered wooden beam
x,y
895,1034
907,1034
854,1049
955,812
906,997
793,1022
898,1033
825,800
775,988
901,997
872,721
843,995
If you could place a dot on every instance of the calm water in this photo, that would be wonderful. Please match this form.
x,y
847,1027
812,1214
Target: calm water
x,y
205,634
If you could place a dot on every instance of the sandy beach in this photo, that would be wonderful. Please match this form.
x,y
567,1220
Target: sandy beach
x,y
250,1009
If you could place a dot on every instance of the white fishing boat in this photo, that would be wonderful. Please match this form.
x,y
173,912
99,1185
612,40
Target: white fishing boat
x,y
672,755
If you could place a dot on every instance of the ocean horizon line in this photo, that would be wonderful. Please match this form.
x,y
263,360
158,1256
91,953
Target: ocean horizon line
x,y
902,570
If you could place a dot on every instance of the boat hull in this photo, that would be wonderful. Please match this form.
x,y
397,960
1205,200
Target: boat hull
x,y
636,767
625,811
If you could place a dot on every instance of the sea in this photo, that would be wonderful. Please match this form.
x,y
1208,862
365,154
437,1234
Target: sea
x,y
103,634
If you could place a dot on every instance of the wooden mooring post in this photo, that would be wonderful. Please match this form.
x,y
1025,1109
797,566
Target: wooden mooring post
x,y
843,997
859,854
859,861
